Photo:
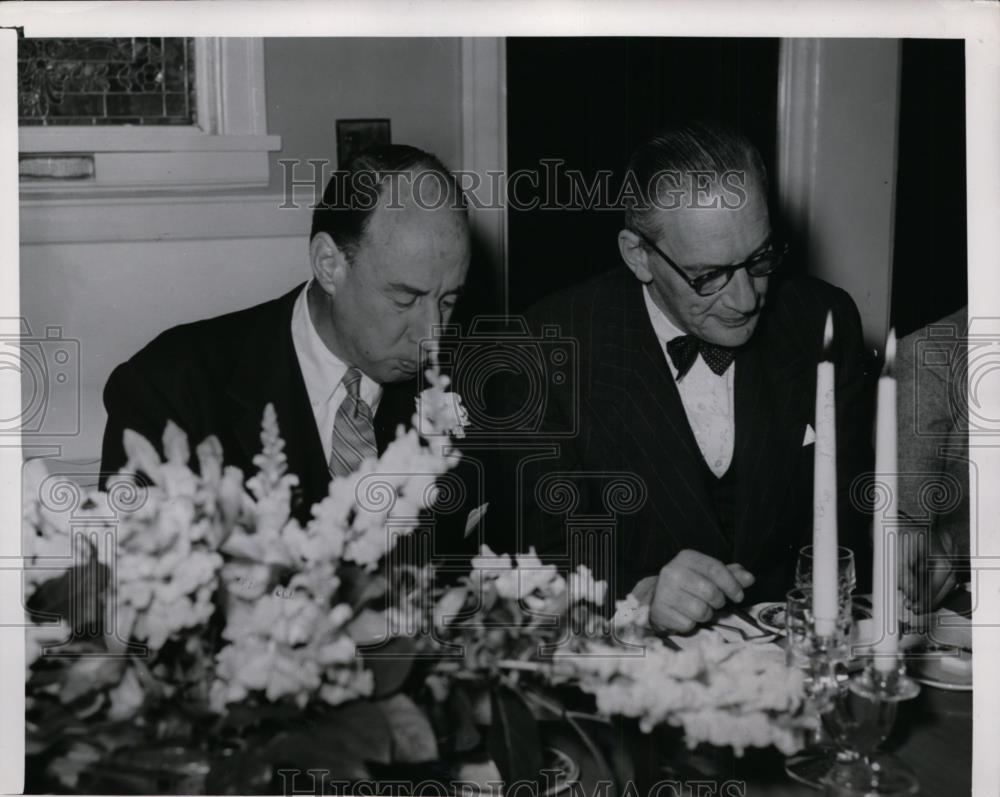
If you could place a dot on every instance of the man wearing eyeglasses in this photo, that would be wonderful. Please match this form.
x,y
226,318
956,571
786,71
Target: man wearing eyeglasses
x,y
697,376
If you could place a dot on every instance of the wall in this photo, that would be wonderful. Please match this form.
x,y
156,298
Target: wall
x,y
313,82
114,295
837,149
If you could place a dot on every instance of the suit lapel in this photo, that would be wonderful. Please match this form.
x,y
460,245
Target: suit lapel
x,y
634,385
268,372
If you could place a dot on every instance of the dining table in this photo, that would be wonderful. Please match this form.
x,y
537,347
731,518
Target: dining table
x,y
932,735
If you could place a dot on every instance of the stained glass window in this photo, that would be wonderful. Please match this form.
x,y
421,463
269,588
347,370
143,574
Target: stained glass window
x,y
140,81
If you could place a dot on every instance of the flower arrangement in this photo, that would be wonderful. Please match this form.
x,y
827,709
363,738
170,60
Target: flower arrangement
x,y
188,616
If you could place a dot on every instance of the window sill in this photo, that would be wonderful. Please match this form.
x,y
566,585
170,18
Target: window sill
x,y
149,216
160,161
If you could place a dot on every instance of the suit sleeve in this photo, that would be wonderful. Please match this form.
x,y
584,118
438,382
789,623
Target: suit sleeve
x,y
142,397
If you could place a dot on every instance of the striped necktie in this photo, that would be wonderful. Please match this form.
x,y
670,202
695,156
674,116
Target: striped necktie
x,y
353,429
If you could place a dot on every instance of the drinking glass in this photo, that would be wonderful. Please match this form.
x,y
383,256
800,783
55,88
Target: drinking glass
x,y
847,578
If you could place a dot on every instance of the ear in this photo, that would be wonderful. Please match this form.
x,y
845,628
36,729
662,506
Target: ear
x,y
329,264
635,255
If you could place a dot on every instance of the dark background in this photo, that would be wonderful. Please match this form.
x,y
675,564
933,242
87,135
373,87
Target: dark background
x,y
930,271
590,101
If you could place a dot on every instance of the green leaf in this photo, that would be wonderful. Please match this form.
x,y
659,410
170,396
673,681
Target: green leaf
x,y
390,664
76,596
412,735
300,752
449,606
465,736
513,741
243,715
241,772
359,728
341,742
368,627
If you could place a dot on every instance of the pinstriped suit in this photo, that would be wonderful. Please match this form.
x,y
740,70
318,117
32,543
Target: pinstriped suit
x,y
630,419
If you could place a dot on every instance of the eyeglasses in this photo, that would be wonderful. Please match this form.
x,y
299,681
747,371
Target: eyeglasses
x,y
715,278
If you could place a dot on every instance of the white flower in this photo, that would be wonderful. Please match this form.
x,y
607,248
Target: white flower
x,y
583,587
724,694
534,575
631,618
87,675
126,698
38,637
439,412
67,767
252,664
347,685
141,455
246,580
488,561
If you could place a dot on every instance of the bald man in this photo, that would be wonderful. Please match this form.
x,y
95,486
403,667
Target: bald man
x,y
338,356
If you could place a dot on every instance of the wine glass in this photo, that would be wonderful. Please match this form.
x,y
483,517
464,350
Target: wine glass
x,y
847,578
859,718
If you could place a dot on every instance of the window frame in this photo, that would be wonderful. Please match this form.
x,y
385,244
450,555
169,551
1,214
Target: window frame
x,y
227,148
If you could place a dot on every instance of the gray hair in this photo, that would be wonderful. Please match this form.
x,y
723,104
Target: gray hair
x,y
681,154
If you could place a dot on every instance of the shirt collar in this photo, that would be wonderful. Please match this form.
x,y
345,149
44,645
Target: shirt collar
x,y
322,370
665,329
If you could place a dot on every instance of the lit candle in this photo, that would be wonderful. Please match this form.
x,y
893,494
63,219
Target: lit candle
x,y
825,587
884,531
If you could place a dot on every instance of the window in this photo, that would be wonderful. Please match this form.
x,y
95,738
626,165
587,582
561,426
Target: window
x,y
142,113
137,81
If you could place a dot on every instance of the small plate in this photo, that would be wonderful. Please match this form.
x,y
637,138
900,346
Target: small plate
x,y
940,666
772,615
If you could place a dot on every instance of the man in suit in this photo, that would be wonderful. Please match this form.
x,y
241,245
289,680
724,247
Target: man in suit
x,y
697,376
933,432
338,357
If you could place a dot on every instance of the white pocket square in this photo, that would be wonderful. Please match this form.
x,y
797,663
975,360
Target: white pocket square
x,y
810,436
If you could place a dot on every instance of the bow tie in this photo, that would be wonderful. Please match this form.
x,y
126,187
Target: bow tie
x,y
685,349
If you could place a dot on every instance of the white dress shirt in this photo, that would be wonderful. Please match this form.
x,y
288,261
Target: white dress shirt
x,y
323,371
707,397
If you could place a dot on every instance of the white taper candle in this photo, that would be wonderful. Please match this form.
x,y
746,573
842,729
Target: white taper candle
x,y
825,587
884,601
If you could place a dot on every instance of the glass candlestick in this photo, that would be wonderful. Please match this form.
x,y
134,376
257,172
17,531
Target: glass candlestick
x,y
858,720
823,660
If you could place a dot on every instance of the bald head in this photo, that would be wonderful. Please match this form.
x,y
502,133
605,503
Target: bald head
x,y
384,281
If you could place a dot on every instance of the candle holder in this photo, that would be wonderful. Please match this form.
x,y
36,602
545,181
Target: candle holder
x,y
823,660
858,720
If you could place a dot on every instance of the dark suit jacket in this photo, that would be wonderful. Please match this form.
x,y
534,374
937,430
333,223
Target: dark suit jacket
x,y
622,423
215,377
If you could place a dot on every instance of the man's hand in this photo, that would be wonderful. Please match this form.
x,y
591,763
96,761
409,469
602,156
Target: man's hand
x,y
926,575
690,588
